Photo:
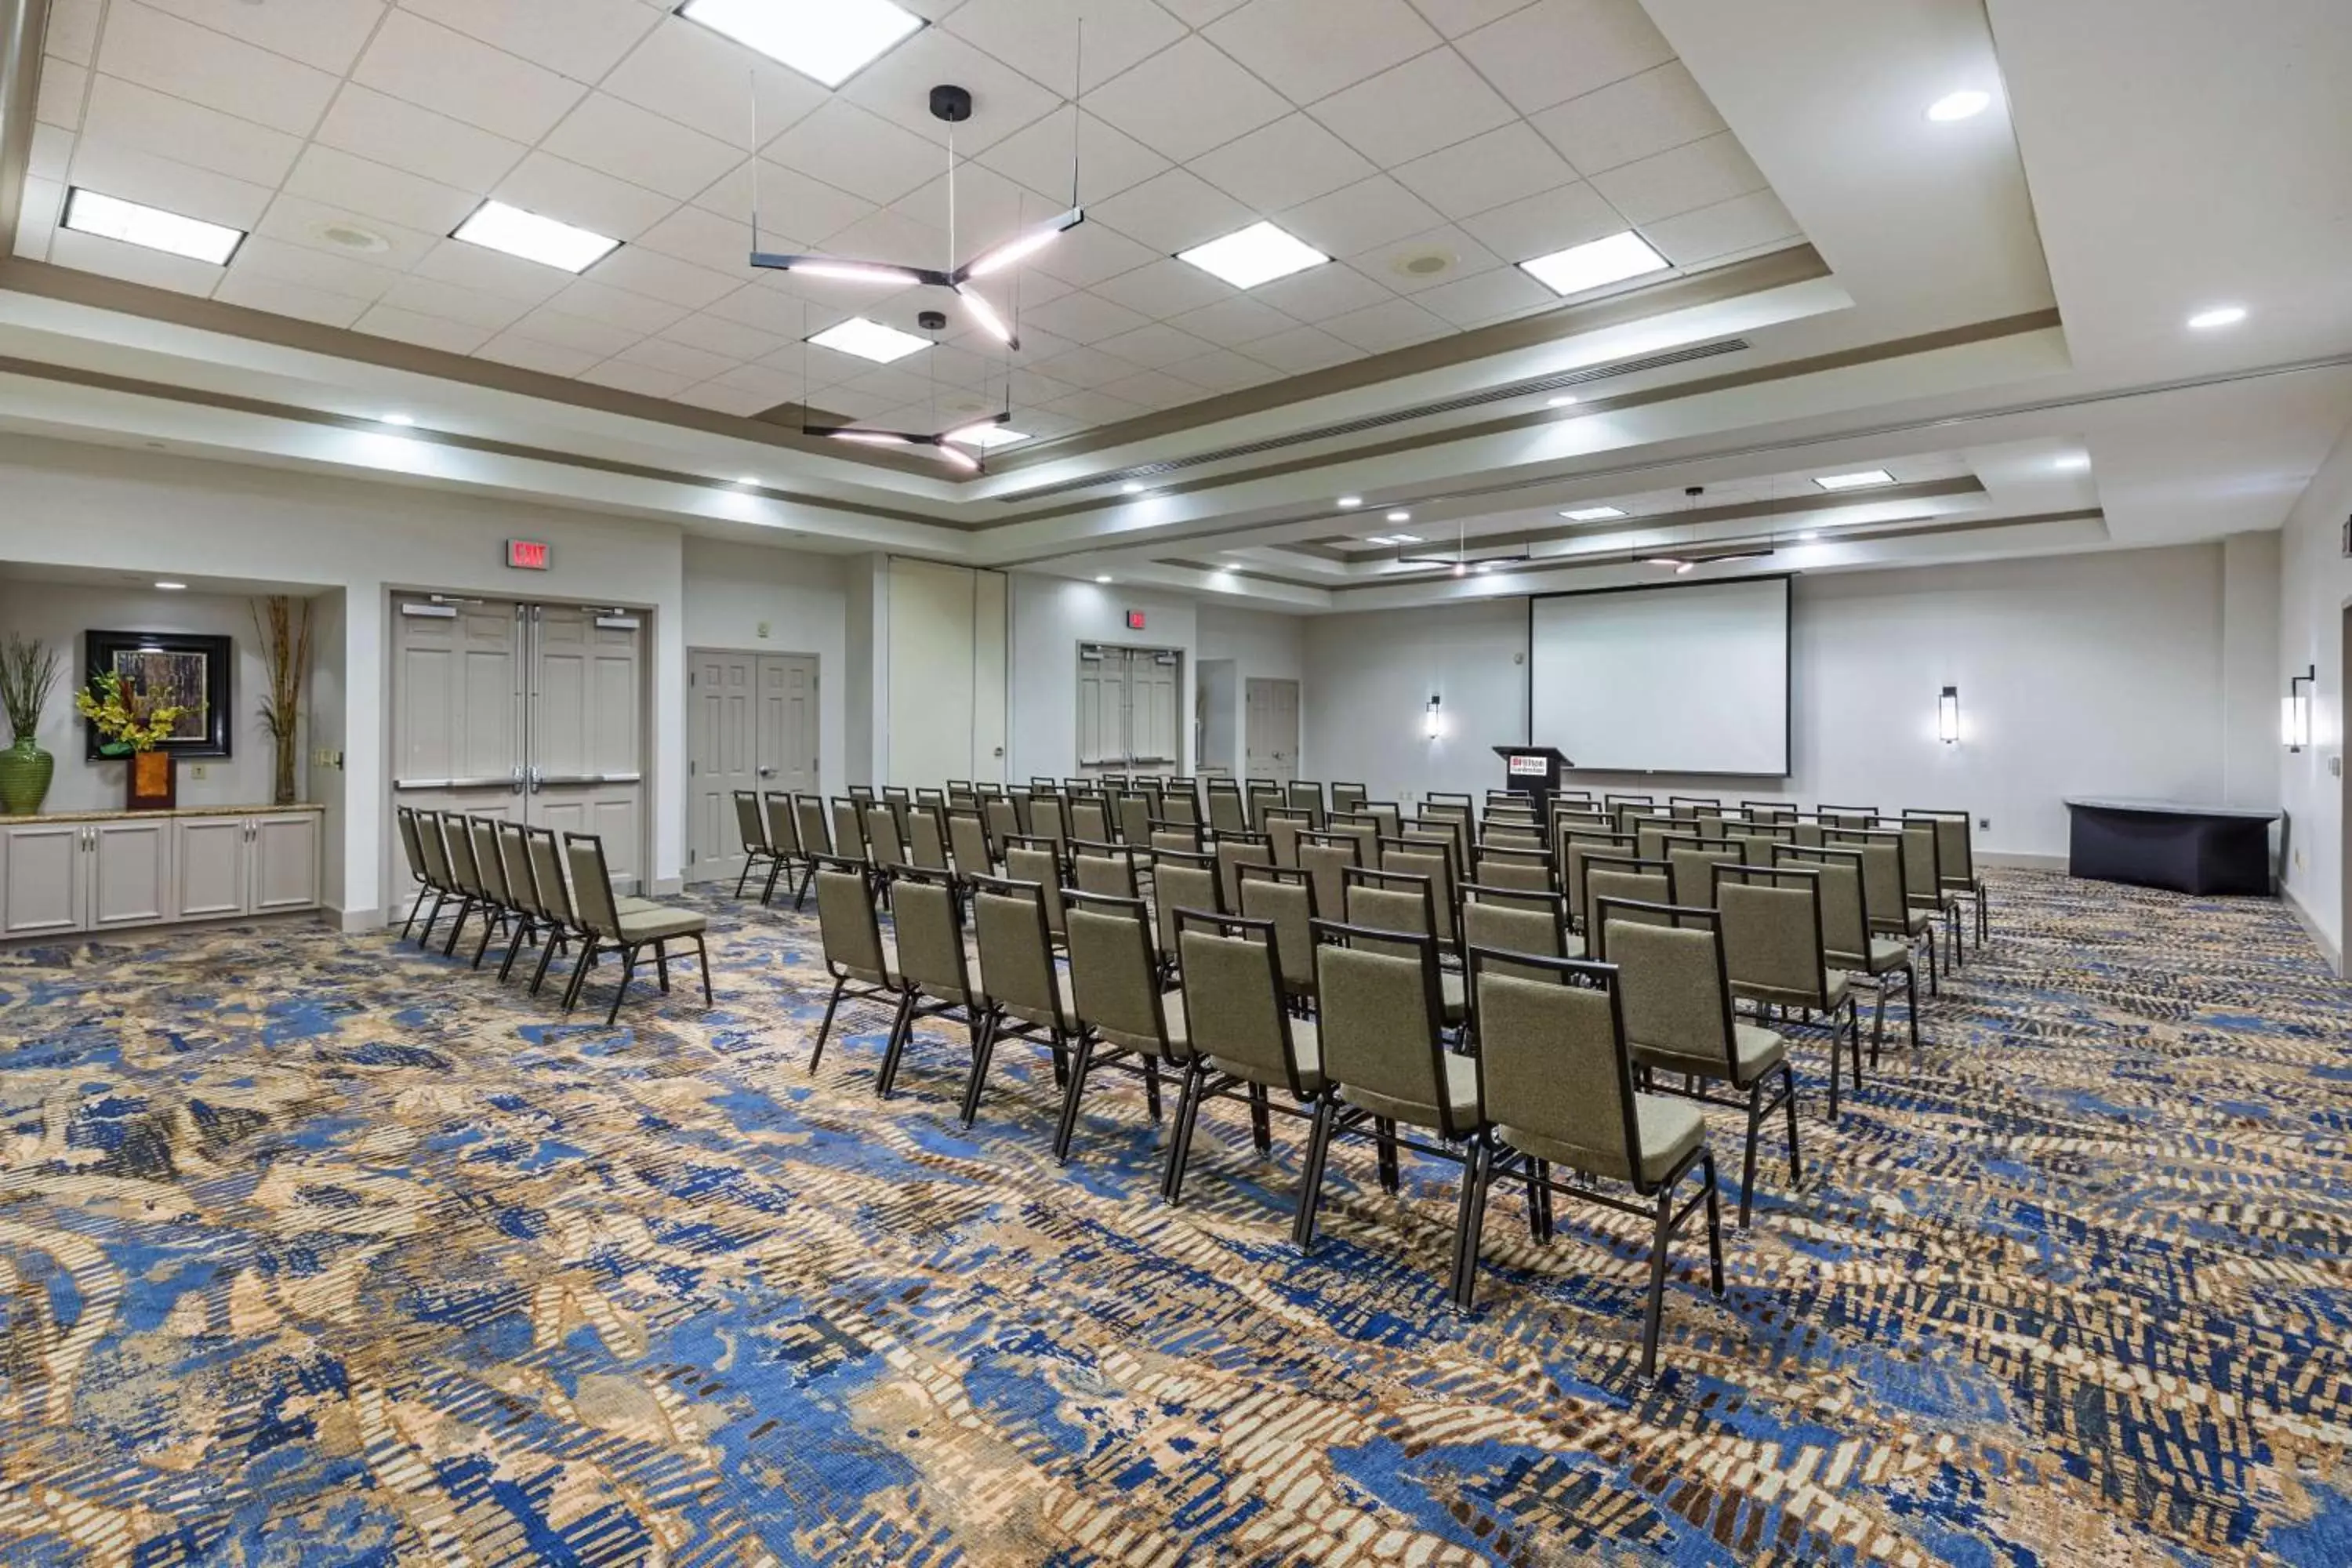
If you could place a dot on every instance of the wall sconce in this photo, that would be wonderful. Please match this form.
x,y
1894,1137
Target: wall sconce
x,y
1948,715
1435,719
2294,709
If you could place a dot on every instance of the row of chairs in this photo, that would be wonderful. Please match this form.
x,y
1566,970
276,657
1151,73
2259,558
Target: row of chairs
x,y
518,881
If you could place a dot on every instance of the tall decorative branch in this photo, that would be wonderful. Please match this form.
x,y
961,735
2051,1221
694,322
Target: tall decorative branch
x,y
284,633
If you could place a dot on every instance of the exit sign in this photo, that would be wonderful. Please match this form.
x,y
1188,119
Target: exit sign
x,y
1135,620
528,554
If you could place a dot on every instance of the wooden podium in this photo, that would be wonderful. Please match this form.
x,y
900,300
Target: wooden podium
x,y
1534,771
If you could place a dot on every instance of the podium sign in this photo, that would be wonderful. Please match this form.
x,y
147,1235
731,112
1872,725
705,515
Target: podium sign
x,y
1532,771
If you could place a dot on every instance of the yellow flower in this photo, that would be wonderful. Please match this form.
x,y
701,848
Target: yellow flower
x,y
126,720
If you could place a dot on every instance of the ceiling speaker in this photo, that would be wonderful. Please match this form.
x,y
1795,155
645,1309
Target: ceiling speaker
x,y
1421,263
345,235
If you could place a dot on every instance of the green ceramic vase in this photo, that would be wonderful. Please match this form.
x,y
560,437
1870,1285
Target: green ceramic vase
x,y
24,774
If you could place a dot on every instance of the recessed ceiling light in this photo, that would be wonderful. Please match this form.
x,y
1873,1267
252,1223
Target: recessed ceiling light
x,y
397,418
172,587
1258,254
748,481
1406,538
534,238
1582,267
869,339
1860,481
1562,401
2219,316
1131,488
830,40
1809,535
986,435
1591,513
2073,463
1399,515
1965,104
1349,503
112,218
1378,539
1105,578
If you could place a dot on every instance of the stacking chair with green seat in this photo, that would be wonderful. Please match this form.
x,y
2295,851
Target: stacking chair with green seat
x,y
1388,817
1135,819
1846,933
1090,818
1123,1016
1228,813
927,837
1283,827
1886,892
783,825
1434,864
1284,898
1653,836
751,828
1305,795
1767,810
428,863
1348,796
1572,846
458,844
1956,856
1925,889
856,954
1759,842
1847,815
815,826
1182,837
1003,816
968,840
1049,823
1691,869
1236,850
1555,1084
632,930
1770,919
1244,1038
551,886
1364,828
504,911
927,911
1181,803
1621,806
1020,994
1626,878
1450,823
1406,903
1039,860
1529,870
1675,992
540,920
1385,1061
1326,857
1182,882
1512,919
1107,870
1262,795
885,851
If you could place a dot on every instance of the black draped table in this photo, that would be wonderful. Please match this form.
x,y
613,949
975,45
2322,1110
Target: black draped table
x,y
2167,843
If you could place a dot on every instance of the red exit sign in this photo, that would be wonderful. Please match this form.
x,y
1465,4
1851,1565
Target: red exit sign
x,y
528,554
1135,620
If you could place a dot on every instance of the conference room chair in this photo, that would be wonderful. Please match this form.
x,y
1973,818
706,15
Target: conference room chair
x,y
1121,1014
1628,879
1432,859
1184,837
961,793
933,970
1674,989
1387,815
1326,857
1022,996
1107,870
1454,815
1653,836
1449,832
1134,812
457,842
1235,850
968,844
783,826
814,823
1090,817
1594,821
1048,821
1620,805
1264,796
1502,865
857,955
1690,869
1767,810
552,891
1846,815
1886,891
927,837
1113,782
1283,823
1406,903
934,797
1039,860
1245,1039
1449,800
1956,851
1510,832
899,800
430,874
1181,880
1039,783
629,931
1023,802
1867,958
1004,819
503,912
1924,887
1348,796
850,830
1513,919
1553,1086
1306,796
1385,1062
885,851
1759,842
534,921
1365,828
1228,811
1577,845
1181,806
1285,897
1776,961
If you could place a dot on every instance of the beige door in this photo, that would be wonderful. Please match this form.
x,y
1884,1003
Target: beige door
x,y
788,717
1129,716
751,725
585,730
457,695
1270,729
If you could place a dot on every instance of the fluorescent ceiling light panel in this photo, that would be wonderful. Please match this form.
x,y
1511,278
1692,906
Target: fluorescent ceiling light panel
x,y
112,218
1963,105
1603,261
987,435
499,226
1408,538
869,339
1258,254
1592,513
829,40
1861,480
2219,316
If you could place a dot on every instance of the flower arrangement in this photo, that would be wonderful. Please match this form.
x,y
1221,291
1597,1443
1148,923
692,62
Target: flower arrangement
x,y
127,722
28,672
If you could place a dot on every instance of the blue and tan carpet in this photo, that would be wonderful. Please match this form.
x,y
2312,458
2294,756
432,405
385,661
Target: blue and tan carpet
x,y
316,1250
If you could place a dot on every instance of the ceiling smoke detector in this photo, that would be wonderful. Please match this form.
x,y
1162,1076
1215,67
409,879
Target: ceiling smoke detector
x,y
1421,264
345,235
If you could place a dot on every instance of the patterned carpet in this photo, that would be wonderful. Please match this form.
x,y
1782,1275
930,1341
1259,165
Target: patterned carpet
x,y
316,1250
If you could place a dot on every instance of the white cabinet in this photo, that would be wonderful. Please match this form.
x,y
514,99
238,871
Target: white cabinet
x,y
141,869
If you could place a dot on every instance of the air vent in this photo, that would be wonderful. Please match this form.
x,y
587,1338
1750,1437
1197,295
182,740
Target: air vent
x,y
345,235
1144,472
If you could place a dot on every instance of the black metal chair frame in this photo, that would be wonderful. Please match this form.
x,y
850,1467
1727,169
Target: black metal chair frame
x,y
1777,876
1202,1083
996,1024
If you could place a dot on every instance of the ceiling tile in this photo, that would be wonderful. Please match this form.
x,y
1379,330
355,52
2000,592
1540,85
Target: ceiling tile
x,y
1092,253
635,313
1155,347
263,259
772,387
431,67
580,38
37,217
858,152
1390,263
556,188
721,398
1086,368
1381,328
328,175
133,263
715,334
1222,370
552,326
1167,288
1199,12
1322,292
1293,160
1487,297
1038,37
1309,50
165,182
1152,389
644,380
73,29
494,271
51,154
989,207
471,306
61,93
1233,322
529,354
1173,212
897,88
1091,408
665,278
604,132
1108,160
1085,318
1424,104
387,131
891,235
717,244
1186,100
327,33
1636,118
1696,174
1559,49
774,312
1539,224
1455,17
1487,171
671,73
1743,223
425,331
147,46
124,112
1359,217
1303,349
279,297
796,213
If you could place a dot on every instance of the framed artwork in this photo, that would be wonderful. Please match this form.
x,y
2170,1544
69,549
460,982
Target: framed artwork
x,y
183,668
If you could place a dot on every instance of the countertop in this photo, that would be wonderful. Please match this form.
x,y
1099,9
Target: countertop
x,y
175,811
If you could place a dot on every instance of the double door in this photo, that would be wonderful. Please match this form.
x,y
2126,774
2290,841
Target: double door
x,y
530,712
1129,715
751,725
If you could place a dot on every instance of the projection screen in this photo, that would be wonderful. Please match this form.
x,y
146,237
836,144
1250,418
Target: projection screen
x,y
1683,679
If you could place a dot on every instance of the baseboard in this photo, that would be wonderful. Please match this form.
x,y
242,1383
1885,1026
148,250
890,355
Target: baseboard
x,y
668,886
2023,862
2327,948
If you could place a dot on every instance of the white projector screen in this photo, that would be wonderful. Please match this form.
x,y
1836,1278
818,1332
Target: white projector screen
x,y
1664,680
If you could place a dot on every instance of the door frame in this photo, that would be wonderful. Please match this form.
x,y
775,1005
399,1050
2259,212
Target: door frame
x,y
1186,661
815,659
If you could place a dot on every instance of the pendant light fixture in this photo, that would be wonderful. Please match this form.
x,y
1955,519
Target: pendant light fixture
x,y
951,446
1459,563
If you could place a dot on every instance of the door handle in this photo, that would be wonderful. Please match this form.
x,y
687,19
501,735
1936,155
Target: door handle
x,y
516,787
767,772
532,775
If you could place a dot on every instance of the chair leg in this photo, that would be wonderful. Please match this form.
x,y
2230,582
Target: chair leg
x,y
1151,1088
1179,1136
1911,1000
1854,1033
588,945
556,941
661,963
1311,1178
1935,981
422,893
1386,1130
768,887
1833,1076
1714,1223
1748,1171
1878,1022
1789,1101
825,1027
1655,1308
465,908
1470,1222
980,1054
1261,1121
1538,1199
628,968
424,937
490,918
1081,1060
902,1029
808,876
522,928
